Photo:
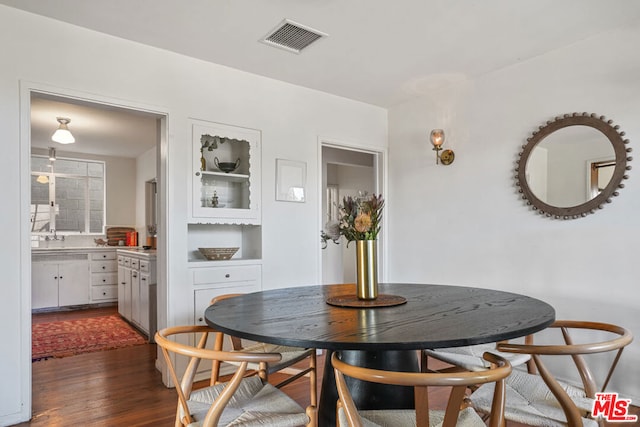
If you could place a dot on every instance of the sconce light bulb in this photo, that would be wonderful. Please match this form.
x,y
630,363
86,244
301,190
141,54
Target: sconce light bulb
x,y
437,137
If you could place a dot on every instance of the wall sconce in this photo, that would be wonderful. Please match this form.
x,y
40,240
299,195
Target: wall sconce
x,y
52,154
62,135
437,139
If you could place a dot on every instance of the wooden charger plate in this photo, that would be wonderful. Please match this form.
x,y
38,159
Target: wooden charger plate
x,y
352,301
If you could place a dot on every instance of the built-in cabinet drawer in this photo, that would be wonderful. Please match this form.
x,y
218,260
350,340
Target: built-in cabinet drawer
x,y
99,279
221,275
144,266
104,293
110,255
108,266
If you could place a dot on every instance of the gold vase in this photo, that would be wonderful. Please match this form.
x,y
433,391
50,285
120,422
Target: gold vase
x,y
366,270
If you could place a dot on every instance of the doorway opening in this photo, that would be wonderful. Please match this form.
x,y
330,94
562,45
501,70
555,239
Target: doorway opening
x,y
128,140
346,171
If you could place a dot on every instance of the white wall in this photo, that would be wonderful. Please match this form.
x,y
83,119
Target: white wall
x,y
465,223
101,67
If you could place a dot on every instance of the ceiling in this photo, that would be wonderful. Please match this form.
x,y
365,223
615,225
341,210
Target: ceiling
x,y
379,52
98,129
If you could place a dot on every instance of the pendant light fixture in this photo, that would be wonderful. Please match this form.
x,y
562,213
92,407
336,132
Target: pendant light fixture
x,y
52,154
62,135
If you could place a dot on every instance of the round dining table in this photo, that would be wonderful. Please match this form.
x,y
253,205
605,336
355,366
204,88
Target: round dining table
x,y
433,316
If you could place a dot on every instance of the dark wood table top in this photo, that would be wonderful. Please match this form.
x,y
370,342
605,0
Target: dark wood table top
x,y
434,316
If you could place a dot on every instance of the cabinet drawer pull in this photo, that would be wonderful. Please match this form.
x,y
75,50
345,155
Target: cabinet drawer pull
x,y
104,267
200,319
104,280
227,275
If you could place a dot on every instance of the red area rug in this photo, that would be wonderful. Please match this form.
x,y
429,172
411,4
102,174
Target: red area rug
x,y
71,337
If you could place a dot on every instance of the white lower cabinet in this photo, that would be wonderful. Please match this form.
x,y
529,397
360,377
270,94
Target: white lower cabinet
x,y
44,285
104,276
137,290
58,281
124,290
209,282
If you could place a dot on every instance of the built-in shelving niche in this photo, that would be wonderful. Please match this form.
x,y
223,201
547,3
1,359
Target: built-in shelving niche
x,y
246,237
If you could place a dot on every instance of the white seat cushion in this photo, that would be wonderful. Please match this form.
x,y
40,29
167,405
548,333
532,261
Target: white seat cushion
x,y
253,404
470,357
529,401
407,417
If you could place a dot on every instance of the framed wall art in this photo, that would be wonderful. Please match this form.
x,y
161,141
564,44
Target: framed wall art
x,y
291,180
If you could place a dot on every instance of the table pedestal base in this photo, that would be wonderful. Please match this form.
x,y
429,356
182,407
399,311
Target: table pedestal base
x,y
367,395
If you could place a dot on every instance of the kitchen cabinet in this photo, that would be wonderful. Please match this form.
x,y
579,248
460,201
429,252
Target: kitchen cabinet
x,y
226,168
59,280
147,293
226,278
137,289
44,285
209,282
104,276
124,286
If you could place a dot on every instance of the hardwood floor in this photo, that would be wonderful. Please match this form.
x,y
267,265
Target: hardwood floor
x,y
122,387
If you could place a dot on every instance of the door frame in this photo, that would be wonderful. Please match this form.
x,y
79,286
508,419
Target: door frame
x,y
26,89
381,184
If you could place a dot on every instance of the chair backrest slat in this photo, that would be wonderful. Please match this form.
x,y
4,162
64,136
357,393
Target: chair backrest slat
x,y
459,381
200,352
577,351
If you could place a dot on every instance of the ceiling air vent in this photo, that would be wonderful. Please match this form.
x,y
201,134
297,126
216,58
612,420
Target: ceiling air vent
x,y
292,36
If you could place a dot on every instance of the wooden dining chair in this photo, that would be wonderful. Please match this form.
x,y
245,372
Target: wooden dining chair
x,y
240,401
289,357
457,413
471,357
544,400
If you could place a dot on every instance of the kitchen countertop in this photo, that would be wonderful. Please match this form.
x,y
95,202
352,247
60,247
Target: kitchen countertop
x,y
71,248
150,253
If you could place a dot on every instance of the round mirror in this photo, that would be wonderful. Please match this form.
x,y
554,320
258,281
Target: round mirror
x,y
573,165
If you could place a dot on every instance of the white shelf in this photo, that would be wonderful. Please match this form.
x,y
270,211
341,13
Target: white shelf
x,y
196,262
230,177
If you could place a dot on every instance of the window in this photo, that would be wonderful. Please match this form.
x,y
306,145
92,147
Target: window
x,y
67,195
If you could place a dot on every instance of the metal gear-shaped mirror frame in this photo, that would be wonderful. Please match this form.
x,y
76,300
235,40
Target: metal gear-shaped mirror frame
x,y
613,134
